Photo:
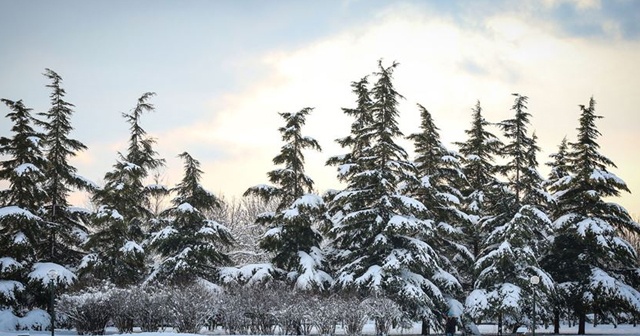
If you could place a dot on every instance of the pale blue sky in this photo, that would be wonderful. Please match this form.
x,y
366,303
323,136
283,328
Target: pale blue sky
x,y
223,69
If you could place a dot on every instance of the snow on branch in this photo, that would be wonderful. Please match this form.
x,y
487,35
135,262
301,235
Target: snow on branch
x,y
311,276
8,289
45,272
131,247
8,264
26,168
15,211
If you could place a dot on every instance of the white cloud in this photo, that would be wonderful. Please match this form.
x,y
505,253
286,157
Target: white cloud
x,y
580,4
444,67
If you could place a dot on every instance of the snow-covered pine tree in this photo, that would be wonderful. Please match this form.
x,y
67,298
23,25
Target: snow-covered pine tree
x,y
293,237
596,269
559,167
378,234
22,231
115,253
558,173
189,244
68,231
478,154
518,236
440,174
358,141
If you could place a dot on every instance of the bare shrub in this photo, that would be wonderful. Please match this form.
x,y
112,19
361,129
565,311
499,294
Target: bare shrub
x,y
122,311
354,314
87,311
192,307
323,314
151,306
384,312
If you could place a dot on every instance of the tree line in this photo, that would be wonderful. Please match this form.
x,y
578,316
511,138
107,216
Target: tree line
x,y
442,232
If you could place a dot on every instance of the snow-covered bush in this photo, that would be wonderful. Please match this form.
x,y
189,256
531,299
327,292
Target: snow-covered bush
x,y
291,311
36,319
384,312
8,321
192,307
151,307
259,310
260,303
323,314
88,311
354,314
122,309
233,316
146,307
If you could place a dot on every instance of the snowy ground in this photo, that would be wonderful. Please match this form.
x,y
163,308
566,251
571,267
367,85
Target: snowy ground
x,y
369,329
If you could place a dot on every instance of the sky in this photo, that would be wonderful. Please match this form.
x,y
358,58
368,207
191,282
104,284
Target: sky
x,y
222,71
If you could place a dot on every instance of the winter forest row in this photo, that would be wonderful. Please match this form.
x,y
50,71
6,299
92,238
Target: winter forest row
x,y
444,232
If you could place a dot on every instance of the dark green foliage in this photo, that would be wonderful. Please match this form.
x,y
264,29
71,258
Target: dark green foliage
x,y
517,230
61,177
293,238
23,168
21,228
115,250
440,176
378,231
559,166
594,226
22,242
189,243
477,156
521,169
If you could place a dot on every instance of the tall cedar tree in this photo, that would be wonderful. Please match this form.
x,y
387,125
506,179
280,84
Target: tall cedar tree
x,y
22,243
559,167
478,155
359,138
358,141
115,253
190,244
595,267
558,175
293,237
518,236
440,177
68,228
377,231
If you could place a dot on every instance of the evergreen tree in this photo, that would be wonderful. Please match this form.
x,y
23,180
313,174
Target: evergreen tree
x,y
518,236
23,168
440,176
559,167
478,153
378,234
595,267
359,138
67,228
293,237
22,243
115,251
189,244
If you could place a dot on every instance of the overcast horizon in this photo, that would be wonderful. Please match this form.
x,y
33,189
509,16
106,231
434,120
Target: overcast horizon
x,y
222,71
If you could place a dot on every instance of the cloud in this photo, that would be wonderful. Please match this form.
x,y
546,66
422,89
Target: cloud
x,y
579,4
444,66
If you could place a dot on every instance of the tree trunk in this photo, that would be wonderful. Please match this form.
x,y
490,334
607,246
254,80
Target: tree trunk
x,y
499,323
425,330
582,321
556,321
